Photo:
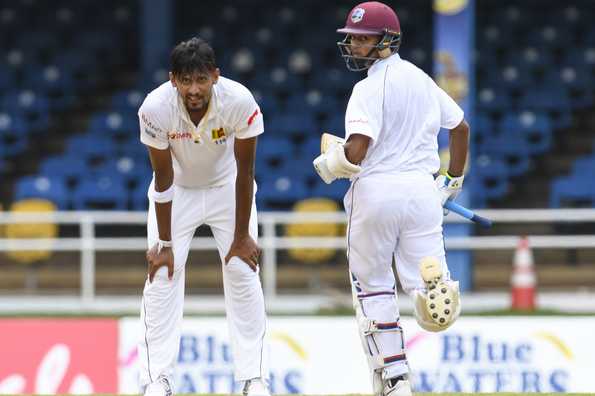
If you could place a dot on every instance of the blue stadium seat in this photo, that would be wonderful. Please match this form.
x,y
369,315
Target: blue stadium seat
x,y
310,149
52,80
281,191
493,99
268,104
131,170
87,146
131,146
572,190
534,126
313,102
13,134
127,101
138,197
275,149
293,125
34,107
492,177
512,149
105,192
549,36
484,124
584,166
336,190
335,124
50,188
70,168
278,80
7,78
114,124
545,99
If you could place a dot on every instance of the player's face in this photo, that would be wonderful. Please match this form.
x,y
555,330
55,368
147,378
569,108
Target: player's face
x,y
361,44
195,88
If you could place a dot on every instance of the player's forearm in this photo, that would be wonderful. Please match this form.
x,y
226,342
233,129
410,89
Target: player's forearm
x,y
356,148
163,213
163,181
458,147
244,196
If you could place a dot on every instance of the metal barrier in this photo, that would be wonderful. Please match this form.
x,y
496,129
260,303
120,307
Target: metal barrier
x,y
269,241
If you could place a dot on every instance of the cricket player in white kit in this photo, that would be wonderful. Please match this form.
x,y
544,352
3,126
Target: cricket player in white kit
x,y
201,131
394,204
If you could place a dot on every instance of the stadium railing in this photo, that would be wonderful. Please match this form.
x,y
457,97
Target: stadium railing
x,y
88,243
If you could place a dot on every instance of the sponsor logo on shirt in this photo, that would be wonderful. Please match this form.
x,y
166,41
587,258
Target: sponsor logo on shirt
x,y
358,120
150,128
184,135
218,135
179,135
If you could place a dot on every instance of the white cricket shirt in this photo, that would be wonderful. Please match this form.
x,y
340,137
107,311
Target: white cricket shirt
x,y
203,155
401,109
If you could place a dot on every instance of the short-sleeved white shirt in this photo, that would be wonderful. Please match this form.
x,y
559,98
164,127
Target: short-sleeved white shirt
x,y
402,110
203,155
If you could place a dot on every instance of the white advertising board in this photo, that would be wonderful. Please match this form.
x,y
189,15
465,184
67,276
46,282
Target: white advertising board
x,y
322,355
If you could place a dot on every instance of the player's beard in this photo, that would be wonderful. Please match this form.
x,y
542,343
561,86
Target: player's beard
x,y
195,103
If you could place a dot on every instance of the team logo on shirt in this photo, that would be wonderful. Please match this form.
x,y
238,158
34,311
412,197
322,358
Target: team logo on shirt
x,y
357,15
218,135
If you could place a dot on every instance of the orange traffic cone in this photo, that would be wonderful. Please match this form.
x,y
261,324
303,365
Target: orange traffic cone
x,y
523,279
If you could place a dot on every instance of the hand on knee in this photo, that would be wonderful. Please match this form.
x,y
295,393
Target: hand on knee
x,y
238,267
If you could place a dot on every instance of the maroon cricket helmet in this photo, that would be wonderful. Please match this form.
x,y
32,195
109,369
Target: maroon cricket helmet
x,y
370,18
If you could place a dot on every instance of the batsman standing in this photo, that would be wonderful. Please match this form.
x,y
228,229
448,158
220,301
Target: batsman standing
x,y
201,131
394,204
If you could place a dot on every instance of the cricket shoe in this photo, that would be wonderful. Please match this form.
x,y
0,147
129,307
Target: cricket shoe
x,y
256,387
442,300
398,386
160,387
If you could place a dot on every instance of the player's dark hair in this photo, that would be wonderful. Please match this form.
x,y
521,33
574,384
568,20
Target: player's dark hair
x,y
192,56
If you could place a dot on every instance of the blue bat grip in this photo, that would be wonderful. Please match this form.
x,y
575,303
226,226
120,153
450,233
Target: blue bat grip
x,y
468,214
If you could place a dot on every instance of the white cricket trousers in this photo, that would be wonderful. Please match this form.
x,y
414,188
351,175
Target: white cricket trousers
x,y
390,216
163,299
393,216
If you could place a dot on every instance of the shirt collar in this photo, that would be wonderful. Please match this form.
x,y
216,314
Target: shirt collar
x,y
382,63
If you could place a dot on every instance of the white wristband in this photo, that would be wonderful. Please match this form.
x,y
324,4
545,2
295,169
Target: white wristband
x,y
162,196
163,244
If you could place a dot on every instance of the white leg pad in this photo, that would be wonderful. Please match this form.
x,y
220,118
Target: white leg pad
x,y
381,337
439,305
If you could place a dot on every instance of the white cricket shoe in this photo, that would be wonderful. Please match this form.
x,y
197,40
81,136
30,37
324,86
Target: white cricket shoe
x,y
160,387
442,302
256,387
398,386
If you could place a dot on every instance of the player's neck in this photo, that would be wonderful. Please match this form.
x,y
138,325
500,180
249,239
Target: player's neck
x,y
197,115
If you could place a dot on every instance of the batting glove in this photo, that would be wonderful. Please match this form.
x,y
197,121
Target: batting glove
x,y
449,187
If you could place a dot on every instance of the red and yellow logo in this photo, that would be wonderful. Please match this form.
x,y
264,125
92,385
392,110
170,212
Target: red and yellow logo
x,y
218,135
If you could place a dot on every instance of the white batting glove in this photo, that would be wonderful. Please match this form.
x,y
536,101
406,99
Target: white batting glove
x,y
321,166
333,164
448,187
